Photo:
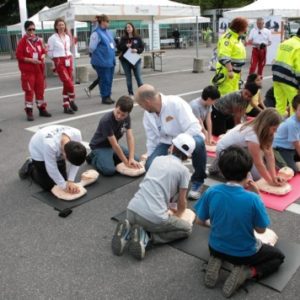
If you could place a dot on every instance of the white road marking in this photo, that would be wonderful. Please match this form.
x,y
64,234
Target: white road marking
x,y
294,208
37,127
10,74
116,79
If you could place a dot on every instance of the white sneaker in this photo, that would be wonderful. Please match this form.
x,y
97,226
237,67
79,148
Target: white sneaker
x,y
195,191
88,92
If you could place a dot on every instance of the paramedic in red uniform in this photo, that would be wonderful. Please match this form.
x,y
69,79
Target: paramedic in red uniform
x,y
30,54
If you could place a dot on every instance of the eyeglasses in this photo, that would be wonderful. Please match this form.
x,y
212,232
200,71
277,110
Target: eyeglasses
x,y
259,32
31,29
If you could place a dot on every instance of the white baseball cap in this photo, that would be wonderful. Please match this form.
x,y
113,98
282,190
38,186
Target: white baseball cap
x,y
185,143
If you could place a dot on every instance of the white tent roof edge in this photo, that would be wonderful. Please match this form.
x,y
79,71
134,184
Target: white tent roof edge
x,y
121,10
38,25
264,8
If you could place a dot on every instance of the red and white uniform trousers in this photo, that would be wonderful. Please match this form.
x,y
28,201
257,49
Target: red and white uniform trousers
x,y
64,69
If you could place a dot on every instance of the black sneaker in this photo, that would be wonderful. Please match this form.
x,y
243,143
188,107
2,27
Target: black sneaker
x,y
212,271
44,113
138,242
73,105
68,110
120,237
237,277
107,100
89,158
29,114
25,170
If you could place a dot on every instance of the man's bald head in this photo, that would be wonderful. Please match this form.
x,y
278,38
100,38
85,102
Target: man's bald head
x,y
145,92
148,98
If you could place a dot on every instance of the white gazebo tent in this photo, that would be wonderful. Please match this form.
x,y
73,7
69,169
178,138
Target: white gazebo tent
x,y
264,8
86,10
143,10
46,25
184,20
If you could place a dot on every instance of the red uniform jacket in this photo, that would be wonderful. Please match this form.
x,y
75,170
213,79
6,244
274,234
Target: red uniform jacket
x,y
26,48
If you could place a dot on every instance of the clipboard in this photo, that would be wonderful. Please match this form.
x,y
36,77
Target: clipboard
x,y
133,58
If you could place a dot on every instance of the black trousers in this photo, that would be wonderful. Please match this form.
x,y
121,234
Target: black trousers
x,y
40,176
290,156
220,122
93,84
253,112
266,261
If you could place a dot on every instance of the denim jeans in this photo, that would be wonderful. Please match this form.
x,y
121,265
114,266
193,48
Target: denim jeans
x,y
105,76
170,230
198,158
137,71
105,160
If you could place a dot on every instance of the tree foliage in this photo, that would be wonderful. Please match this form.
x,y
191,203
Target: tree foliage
x,y
9,9
211,4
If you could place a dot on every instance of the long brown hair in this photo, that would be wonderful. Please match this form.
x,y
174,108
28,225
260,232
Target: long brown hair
x,y
134,33
261,125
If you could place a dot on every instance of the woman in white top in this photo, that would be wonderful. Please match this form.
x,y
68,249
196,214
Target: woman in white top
x,y
257,136
59,50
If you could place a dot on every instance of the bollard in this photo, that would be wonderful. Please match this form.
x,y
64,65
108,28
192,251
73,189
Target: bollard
x,y
198,66
82,74
147,61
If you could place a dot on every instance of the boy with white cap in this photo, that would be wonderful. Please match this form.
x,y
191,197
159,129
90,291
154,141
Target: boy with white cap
x,y
148,216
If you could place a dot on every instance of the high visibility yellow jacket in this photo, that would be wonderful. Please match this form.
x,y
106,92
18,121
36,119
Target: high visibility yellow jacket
x,y
286,68
231,49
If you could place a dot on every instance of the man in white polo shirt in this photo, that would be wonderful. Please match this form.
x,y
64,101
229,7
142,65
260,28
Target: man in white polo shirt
x,y
165,117
260,39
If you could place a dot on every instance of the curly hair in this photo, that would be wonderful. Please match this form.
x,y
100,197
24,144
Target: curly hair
x,y
239,24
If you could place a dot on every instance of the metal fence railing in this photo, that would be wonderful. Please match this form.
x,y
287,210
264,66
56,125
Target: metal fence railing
x,y
5,44
9,40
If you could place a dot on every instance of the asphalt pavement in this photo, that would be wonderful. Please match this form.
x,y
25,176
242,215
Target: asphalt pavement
x,y
43,256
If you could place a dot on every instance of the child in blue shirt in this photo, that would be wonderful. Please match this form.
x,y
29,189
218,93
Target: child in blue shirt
x,y
287,137
234,214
